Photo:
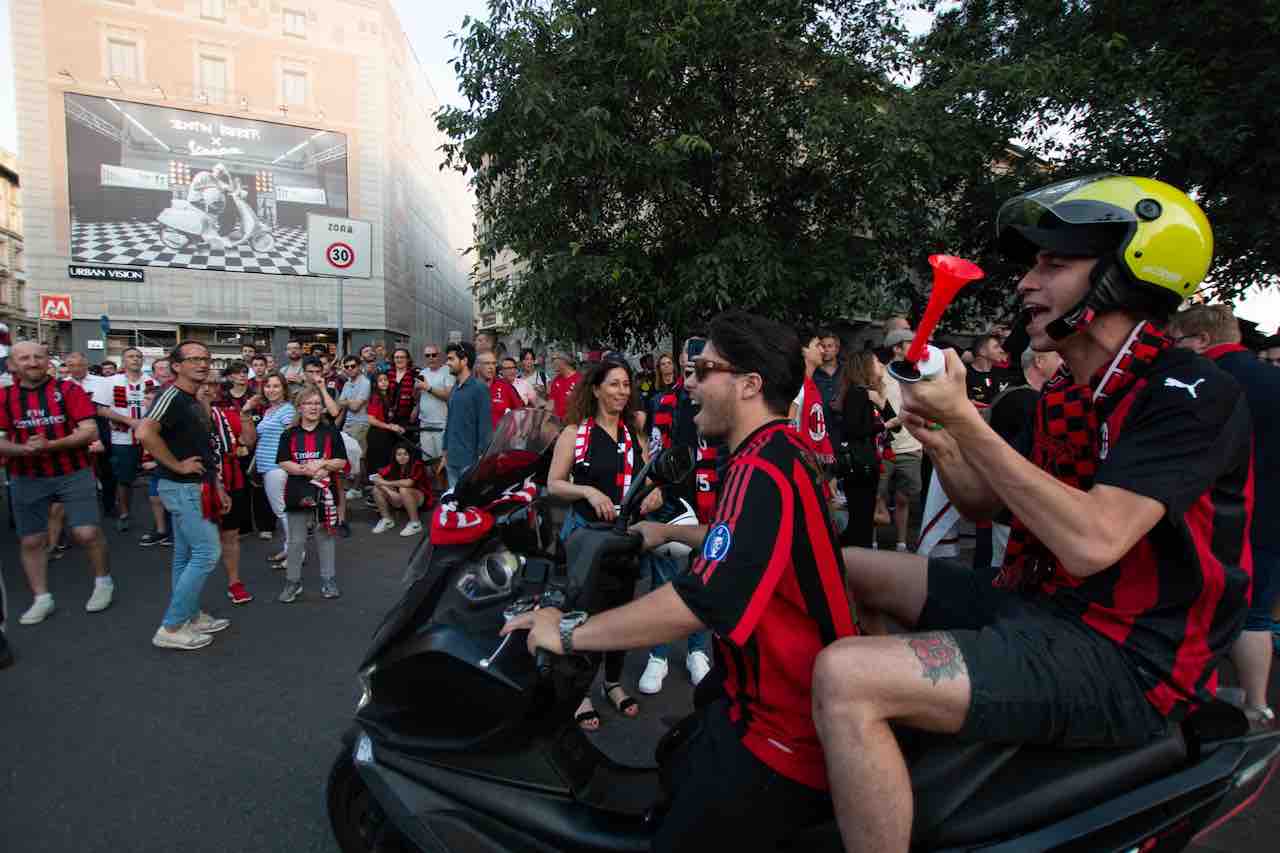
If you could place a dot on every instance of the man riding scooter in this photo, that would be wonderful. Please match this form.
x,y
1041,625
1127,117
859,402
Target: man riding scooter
x,y
1128,568
766,580
209,191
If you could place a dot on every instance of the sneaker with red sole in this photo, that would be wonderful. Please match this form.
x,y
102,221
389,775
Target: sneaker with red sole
x,y
238,594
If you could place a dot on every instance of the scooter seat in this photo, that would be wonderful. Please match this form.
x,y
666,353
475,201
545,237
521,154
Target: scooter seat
x,y
967,793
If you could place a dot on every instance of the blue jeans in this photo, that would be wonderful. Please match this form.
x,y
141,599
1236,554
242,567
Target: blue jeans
x,y
661,570
196,549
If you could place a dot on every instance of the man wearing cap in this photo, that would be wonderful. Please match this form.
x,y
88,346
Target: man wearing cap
x,y
902,473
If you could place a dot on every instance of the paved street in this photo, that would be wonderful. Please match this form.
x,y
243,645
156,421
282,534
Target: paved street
x,y
109,744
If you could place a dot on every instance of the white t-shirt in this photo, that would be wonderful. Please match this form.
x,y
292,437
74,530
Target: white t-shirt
x,y
432,411
903,440
124,398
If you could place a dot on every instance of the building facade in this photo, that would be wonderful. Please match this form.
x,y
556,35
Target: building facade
x,y
13,274
186,142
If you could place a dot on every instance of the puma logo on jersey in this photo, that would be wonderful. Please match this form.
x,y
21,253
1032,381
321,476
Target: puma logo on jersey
x,y
1170,382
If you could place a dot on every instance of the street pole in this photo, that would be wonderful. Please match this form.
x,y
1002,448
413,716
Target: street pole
x,y
342,349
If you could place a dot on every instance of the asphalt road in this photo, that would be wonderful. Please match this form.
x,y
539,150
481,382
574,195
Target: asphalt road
x,y
108,744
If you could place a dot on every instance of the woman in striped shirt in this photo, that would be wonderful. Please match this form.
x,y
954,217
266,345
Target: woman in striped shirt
x,y
279,417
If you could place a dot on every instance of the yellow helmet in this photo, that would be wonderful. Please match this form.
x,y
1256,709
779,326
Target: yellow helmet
x,y
1153,234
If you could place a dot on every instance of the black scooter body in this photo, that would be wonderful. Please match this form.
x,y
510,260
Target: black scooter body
x,y
464,743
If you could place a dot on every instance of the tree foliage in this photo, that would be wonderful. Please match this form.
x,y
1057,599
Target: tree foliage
x,y
1184,92
656,162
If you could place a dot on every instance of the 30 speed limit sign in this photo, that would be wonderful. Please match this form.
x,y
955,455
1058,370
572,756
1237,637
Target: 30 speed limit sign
x,y
340,255
339,247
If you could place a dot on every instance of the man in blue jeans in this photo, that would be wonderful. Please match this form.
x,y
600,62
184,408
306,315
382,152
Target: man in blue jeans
x,y
176,433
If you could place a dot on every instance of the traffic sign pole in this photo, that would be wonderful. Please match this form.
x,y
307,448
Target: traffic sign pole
x,y
342,347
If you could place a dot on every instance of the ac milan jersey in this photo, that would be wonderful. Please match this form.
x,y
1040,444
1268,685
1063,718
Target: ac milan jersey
x,y
503,398
811,423
227,425
672,426
559,391
770,583
1177,600
124,398
415,471
52,409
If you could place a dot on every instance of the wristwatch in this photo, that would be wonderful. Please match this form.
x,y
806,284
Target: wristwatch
x,y
569,623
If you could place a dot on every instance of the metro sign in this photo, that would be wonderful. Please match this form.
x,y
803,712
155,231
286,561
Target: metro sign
x,y
55,307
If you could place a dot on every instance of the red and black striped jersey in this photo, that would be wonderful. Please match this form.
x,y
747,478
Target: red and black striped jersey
x,y
769,582
1177,600
301,445
671,425
227,426
52,409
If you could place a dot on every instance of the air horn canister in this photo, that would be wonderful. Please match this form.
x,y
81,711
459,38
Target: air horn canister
x,y
923,360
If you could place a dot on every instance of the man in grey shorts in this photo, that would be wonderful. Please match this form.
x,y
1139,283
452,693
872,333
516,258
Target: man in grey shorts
x,y
902,474
49,424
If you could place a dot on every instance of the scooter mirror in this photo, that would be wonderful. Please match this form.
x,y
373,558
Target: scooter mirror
x,y
672,466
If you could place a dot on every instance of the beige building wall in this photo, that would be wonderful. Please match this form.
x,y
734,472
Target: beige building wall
x,y
361,80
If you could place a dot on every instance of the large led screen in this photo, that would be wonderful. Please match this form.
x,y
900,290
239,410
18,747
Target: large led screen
x,y
156,186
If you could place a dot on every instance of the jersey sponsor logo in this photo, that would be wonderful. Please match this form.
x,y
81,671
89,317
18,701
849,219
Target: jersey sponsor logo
x,y
40,418
716,547
817,423
1170,382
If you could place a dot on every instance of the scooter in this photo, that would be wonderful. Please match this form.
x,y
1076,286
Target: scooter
x,y
183,223
462,741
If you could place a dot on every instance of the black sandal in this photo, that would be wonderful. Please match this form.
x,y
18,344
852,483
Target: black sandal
x,y
621,707
587,717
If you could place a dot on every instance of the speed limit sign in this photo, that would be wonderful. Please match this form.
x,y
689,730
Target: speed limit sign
x,y
339,247
340,255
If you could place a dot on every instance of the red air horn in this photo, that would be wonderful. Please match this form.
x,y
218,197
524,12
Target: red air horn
x,y
949,275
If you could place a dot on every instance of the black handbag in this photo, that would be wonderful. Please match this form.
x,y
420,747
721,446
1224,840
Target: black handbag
x,y
857,463
300,493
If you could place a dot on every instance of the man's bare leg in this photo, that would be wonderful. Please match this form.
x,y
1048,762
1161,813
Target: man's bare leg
x,y
1251,655
860,684
35,562
57,518
901,514
884,582
95,545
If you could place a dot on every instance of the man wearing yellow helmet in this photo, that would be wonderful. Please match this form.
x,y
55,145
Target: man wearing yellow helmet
x,y
1127,571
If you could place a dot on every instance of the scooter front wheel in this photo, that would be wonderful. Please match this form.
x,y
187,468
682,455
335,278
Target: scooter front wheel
x,y
358,822
262,242
173,238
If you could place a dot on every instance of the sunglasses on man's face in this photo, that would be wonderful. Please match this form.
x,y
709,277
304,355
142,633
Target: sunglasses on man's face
x,y
704,367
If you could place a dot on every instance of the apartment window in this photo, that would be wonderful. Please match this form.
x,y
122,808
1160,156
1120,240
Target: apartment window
x,y
295,23
213,77
122,59
214,10
293,86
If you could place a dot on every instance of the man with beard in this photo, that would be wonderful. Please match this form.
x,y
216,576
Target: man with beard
x,y
751,773
293,371
470,420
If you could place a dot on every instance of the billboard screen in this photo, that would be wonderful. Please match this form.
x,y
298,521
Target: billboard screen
x,y
157,186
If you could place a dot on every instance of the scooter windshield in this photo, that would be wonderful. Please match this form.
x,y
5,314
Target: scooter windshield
x,y
518,450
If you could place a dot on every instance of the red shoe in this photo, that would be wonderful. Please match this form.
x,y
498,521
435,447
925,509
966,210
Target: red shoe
x,y
238,594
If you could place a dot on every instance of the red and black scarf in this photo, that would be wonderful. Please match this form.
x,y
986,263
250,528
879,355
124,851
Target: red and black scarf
x,y
582,445
1067,443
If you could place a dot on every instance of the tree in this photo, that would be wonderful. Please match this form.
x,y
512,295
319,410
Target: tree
x,y
1184,92
656,162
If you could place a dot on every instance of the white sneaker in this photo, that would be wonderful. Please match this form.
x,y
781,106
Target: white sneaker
x,y
901,547
383,525
654,673
413,528
184,639
41,609
699,666
101,598
354,494
206,624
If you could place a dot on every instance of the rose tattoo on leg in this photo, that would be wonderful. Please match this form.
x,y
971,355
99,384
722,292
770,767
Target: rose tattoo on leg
x,y
938,654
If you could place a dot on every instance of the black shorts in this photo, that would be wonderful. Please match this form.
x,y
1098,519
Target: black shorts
x,y
1036,674
724,798
239,518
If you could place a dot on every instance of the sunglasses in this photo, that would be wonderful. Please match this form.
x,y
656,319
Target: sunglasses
x,y
704,367
430,354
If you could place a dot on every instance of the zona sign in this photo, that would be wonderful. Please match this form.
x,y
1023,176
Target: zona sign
x,y
339,247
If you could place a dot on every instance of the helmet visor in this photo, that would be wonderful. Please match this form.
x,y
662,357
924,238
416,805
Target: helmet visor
x,y
1084,217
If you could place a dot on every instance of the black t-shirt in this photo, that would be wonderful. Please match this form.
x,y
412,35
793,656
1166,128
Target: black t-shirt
x,y
1176,601
185,429
769,582
603,466
983,387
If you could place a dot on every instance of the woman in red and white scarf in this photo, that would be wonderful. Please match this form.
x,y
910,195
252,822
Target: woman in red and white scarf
x,y
596,458
232,436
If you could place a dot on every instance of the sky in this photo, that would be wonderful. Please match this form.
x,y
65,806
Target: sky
x,y
427,26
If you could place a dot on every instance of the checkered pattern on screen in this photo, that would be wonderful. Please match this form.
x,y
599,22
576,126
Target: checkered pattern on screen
x,y
138,243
